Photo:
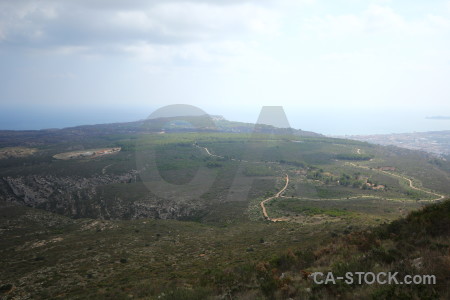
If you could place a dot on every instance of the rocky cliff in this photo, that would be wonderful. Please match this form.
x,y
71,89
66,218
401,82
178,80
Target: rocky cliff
x,y
80,197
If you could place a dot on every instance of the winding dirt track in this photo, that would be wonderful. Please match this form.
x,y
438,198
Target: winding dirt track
x,y
207,151
262,204
279,194
411,185
210,154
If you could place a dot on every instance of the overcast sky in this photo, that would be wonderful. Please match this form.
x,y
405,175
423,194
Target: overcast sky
x,y
344,57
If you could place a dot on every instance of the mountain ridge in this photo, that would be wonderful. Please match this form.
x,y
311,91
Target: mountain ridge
x,y
205,123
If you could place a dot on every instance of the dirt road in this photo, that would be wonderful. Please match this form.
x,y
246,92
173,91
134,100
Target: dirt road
x,y
411,185
262,204
207,151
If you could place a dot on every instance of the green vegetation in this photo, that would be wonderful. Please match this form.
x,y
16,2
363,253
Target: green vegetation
x,y
94,229
352,156
417,244
361,208
258,170
289,204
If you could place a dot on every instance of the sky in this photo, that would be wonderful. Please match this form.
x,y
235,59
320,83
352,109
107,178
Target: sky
x,y
336,67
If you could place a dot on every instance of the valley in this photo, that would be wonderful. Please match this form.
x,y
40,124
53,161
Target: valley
x,y
199,215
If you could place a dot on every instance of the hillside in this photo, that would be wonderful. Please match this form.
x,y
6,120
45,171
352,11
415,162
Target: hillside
x,y
176,212
48,256
116,186
418,244
171,124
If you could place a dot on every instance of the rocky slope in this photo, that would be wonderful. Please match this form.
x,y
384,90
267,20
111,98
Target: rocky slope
x,y
84,197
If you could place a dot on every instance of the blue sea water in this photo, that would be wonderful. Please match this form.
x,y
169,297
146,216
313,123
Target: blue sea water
x,y
329,122
35,118
359,122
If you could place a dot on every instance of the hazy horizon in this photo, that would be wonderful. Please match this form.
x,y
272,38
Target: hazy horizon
x,y
324,122
341,67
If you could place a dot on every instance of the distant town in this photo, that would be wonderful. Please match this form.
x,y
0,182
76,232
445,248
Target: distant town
x,y
435,142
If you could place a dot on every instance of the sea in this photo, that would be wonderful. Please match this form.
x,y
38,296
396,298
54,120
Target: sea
x,y
332,122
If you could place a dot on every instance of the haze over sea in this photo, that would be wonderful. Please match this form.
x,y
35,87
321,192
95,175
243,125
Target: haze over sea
x,y
324,121
341,67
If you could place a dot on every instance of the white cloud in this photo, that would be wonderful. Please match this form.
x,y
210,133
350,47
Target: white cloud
x,y
383,1
198,54
199,20
347,56
156,32
134,20
376,19
438,22
24,20
382,18
333,26
70,50
158,22
246,51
